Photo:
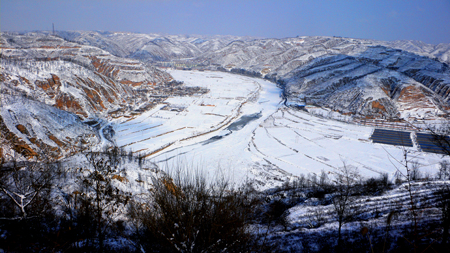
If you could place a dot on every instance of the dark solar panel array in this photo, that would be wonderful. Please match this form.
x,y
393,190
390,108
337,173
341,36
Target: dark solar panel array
x,y
428,144
390,137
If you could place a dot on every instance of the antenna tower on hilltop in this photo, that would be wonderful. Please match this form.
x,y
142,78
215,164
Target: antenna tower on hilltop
x,y
53,24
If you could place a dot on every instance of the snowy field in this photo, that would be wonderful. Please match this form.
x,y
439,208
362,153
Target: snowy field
x,y
184,117
301,143
242,130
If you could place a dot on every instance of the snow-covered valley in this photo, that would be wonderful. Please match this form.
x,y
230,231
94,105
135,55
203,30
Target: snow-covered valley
x,y
242,129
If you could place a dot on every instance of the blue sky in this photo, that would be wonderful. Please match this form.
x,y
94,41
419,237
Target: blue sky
x,y
427,20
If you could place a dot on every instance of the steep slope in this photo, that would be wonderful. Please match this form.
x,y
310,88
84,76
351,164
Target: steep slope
x,y
45,71
34,129
82,79
378,83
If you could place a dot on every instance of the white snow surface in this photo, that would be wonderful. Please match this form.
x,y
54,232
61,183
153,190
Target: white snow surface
x,y
277,145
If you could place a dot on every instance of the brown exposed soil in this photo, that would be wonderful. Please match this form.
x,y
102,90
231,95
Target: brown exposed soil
x,y
22,129
411,94
14,142
134,84
56,140
68,103
120,178
378,105
51,83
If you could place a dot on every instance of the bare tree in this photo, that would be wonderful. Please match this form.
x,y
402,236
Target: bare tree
x,y
343,199
444,170
100,195
316,217
24,184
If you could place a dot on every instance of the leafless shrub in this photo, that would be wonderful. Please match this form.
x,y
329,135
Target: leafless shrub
x,y
316,217
98,198
377,185
186,213
444,170
414,171
343,199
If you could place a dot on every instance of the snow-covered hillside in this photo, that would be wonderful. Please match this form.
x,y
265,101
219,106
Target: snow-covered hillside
x,y
83,80
35,129
282,120
379,83
352,84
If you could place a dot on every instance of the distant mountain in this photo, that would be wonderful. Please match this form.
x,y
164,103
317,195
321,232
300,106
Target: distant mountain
x,y
153,47
159,47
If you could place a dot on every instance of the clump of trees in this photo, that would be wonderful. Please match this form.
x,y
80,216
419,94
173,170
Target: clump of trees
x,y
37,213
